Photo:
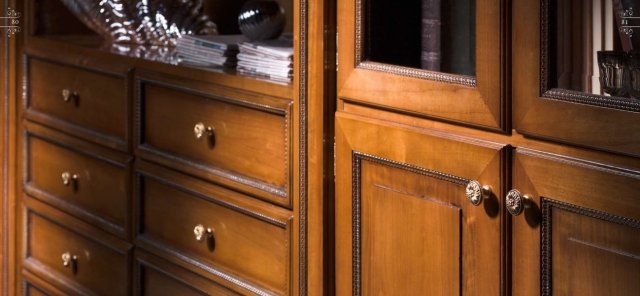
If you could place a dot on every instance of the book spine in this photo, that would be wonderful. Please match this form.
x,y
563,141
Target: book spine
x,y
431,24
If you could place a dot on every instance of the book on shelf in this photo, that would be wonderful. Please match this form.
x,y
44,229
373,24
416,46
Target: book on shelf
x,y
431,25
270,60
216,42
209,50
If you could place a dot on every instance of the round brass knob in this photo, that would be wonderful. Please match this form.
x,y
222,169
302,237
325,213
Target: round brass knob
x,y
516,202
68,259
67,95
201,232
198,130
67,178
476,192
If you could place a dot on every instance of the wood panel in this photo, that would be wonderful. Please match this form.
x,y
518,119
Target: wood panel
x,y
239,225
248,145
155,276
579,231
100,191
98,105
403,222
410,240
97,255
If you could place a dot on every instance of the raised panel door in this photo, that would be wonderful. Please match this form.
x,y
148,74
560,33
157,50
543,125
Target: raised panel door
x,y
404,224
579,232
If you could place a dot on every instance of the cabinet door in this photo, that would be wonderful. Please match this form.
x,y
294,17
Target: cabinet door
x,y
561,90
579,232
404,225
430,58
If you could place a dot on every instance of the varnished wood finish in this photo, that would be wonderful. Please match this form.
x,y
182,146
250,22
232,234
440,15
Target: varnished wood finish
x,y
403,223
9,47
393,87
585,218
34,286
250,244
552,114
156,276
248,147
98,113
49,234
100,194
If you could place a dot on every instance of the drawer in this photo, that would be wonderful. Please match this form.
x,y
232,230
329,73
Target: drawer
x,y
33,286
96,107
95,262
84,180
242,144
159,277
244,242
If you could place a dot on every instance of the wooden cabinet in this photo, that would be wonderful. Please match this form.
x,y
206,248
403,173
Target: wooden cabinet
x,y
196,171
562,216
374,70
547,107
404,224
579,230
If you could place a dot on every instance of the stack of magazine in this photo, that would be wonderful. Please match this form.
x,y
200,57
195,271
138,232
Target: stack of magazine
x,y
209,50
271,60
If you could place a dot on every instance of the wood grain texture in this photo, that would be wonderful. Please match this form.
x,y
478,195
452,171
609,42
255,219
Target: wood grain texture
x,y
248,147
418,163
101,192
155,276
483,105
32,285
557,118
314,140
99,255
98,112
250,246
579,184
9,90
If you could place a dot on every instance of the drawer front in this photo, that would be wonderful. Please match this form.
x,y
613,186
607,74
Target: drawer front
x,y
243,245
34,286
158,277
79,182
247,146
96,105
91,266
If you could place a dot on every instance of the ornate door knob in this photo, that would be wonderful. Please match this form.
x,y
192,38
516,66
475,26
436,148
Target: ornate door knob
x,y
476,192
516,202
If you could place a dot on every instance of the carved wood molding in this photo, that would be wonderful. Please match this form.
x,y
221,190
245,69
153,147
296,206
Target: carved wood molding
x,y
546,234
302,145
357,159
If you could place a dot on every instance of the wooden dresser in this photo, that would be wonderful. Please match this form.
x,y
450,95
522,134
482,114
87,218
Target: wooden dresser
x,y
138,176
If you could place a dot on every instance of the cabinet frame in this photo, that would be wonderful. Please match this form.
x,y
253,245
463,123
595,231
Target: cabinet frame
x,y
479,101
562,115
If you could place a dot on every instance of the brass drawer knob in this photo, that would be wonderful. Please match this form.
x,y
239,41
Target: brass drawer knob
x,y
476,192
201,232
68,259
67,178
516,202
68,95
200,131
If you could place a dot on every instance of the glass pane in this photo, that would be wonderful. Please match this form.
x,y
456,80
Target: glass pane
x,y
593,47
436,35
